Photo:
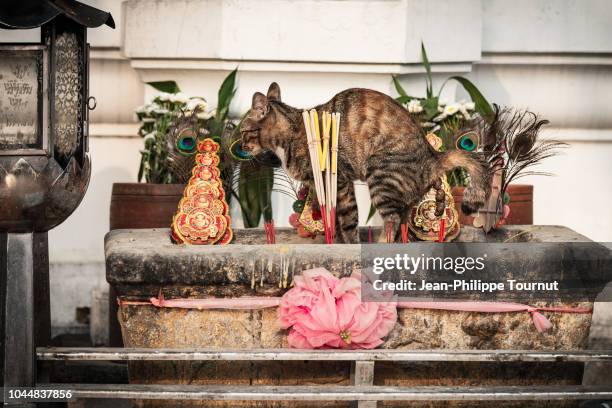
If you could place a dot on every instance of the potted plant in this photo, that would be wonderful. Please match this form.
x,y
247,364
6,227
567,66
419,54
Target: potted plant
x,y
152,201
446,120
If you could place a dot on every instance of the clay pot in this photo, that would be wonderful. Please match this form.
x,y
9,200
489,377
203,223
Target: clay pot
x,y
521,205
142,205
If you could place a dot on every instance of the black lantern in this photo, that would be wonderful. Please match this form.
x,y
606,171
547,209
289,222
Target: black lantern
x,y
44,161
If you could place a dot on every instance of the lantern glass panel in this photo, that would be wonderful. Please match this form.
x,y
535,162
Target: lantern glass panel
x,y
23,100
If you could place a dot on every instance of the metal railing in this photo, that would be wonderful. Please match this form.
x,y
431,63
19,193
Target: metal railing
x,y
362,389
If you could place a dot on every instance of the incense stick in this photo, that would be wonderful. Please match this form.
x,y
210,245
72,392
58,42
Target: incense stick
x,y
441,232
327,165
404,233
314,148
324,158
335,118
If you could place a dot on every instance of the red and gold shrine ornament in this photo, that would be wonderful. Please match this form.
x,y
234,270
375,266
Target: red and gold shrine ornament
x,y
425,224
202,217
423,221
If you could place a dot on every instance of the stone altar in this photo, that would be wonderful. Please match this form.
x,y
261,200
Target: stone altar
x,y
141,262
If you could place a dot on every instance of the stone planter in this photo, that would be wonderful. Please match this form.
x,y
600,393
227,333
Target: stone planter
x,y
140,262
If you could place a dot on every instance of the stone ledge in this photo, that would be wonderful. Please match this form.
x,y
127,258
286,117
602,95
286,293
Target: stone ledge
x,y
147,258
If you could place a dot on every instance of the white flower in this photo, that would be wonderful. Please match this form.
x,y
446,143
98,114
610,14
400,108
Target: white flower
x,y
164,96
194,103
152,107
206,114
142,109
464,107
470,105
414,106
160,111
440,117
451,109
149,136
179,97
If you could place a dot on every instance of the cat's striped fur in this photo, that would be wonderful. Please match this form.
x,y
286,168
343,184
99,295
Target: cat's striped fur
x,y
379,143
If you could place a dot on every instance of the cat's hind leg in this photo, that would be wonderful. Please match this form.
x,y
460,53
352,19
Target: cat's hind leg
x,y
391,191
347,217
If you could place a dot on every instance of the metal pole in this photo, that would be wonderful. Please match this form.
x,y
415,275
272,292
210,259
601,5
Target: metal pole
x,y
17,270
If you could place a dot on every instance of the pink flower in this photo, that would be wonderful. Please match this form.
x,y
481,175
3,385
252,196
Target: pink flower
x,y
322,311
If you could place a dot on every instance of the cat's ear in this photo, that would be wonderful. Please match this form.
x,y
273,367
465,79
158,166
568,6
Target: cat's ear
x,y
274,93
259,106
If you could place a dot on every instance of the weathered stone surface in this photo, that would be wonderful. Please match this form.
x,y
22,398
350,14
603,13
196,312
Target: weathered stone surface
x,y
147,326
139,262
145,259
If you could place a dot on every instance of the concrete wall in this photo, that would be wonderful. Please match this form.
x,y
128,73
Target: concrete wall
x,y
552,56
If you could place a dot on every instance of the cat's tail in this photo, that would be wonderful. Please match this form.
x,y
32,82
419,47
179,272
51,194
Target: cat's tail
x,y
479,188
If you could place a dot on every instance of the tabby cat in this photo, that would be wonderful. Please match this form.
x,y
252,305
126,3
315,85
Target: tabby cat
x,y
379,143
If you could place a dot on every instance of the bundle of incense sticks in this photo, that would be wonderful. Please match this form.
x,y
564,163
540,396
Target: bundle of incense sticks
x,y
405,239
270,232
324,162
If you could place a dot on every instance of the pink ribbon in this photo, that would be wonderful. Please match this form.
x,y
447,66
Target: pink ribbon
x,y
241,303
540,321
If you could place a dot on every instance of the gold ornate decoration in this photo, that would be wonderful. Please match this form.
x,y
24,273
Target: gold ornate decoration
x,y
67,103
424,223
306,219
202,216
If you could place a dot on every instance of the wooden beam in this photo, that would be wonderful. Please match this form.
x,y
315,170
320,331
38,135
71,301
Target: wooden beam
x,y
330,393
129,354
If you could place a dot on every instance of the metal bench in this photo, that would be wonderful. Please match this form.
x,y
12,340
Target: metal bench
x,y
362,389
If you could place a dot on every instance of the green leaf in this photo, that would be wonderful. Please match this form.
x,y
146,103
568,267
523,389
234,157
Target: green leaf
x,y
224,99
371,213
398,87
255,187
249,199
165,86
430,105
404,99
226,94
266,184
141,168
427,66
482,105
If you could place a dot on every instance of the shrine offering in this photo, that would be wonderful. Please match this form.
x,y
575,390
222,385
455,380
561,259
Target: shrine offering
x,y
426,225
435,218
324,162
239,297
202,217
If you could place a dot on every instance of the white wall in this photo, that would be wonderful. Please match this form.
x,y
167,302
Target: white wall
x,y
552,56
